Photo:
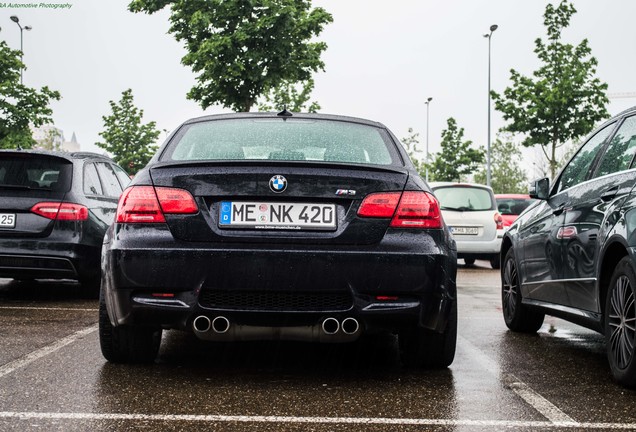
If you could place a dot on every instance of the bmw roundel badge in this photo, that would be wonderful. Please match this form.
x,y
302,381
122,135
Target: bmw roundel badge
x,y
278,183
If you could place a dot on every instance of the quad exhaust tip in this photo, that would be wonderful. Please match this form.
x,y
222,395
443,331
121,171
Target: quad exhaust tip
x,y
350,326
202,324
330,326
220,324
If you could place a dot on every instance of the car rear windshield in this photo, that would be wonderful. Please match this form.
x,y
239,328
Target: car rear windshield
x,y
464,198
30,171
513,206
283,140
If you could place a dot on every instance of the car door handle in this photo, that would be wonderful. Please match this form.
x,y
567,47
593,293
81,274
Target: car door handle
x,y
609,194
557,211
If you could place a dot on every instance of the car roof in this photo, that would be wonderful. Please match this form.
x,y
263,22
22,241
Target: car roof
x,y
314,116
61,154
450,184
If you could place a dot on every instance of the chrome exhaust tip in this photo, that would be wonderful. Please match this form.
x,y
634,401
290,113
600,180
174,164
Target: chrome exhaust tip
x,y
330,326
350,326
220,324
201,324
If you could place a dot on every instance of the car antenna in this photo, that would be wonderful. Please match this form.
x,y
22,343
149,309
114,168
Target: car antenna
x,y
284,112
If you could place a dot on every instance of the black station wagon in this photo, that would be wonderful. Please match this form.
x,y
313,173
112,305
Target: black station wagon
x,y
571,254
54,210
279,227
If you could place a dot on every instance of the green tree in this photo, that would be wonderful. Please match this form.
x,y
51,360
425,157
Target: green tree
x,y
293,96
20,106
507,175
563,101
410,143
125,137
243,49
457,158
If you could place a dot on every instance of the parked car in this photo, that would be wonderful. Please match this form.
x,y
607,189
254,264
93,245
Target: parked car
x,y
54,210
571,254
510,206
284,226
470,210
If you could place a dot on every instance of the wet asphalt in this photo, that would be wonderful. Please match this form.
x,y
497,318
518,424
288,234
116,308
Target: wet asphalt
x,y
54,378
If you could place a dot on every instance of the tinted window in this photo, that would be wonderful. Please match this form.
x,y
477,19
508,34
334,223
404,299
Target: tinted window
x,y
512,206
92,185
35,171
620,150
109,180
275,139
579,166
122,175
464,198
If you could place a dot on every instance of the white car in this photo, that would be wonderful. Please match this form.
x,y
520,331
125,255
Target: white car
x,y
470,211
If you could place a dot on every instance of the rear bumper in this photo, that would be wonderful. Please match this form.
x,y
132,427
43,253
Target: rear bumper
x,y
406,280
488,247
41,259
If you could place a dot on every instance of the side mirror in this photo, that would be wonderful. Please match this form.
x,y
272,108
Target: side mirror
x,y
540,189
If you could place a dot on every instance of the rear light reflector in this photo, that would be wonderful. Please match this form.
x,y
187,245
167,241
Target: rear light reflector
x,y
380,205
61,211
163,295
147,204
386,298
417,210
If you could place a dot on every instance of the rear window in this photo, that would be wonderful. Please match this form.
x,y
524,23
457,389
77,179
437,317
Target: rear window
x,y
283,140
29,171
464,198
513,206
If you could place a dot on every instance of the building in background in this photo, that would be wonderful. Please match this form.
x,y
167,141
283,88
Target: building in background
x,y
48,137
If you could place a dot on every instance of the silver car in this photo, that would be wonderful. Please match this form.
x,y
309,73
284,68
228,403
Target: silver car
x,y
470,211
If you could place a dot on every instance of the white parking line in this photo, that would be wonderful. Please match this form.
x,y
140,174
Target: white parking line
x,y
534,399
498,424
40,308
44,351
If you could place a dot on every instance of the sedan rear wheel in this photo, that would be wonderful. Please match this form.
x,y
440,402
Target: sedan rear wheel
x,y
424,348
517,316
126,344
620,323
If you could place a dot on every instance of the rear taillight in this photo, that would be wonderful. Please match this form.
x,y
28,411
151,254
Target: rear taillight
x,y
499,221
417,210
410,209
380,205
147,204
61,211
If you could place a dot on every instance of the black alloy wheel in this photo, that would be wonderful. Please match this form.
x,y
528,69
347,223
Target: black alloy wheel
x,y
518,318
620,323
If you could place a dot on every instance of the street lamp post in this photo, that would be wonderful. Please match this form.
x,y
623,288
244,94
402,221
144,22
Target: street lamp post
x,y
16,20
428,101
489,36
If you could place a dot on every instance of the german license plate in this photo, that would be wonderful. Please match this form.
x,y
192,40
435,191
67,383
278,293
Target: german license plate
x,y
267,215
7,220
465,230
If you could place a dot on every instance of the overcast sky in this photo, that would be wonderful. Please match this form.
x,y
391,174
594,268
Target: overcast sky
x,y
384,59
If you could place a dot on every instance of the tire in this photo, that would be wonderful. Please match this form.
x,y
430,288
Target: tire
x,y
126,344
518,318
427,349
469,261
620,323
495,261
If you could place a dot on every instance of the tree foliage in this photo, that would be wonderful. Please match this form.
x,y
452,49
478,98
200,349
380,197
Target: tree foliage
x,y
243,49
507,174
20,106
410,143
128,140
563,100
293,96
457,157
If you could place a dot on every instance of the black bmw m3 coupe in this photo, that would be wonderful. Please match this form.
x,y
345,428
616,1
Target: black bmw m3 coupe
x,y
281,226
